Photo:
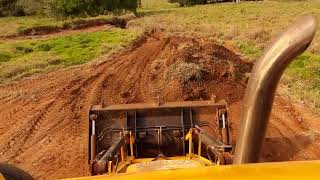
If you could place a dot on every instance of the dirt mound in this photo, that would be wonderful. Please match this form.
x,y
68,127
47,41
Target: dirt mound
x,y
176,69
44,119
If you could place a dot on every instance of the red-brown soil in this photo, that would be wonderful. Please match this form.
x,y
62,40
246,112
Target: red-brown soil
x,y
44,119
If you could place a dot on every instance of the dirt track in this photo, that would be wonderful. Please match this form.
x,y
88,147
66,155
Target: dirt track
x,y
58,33
44,119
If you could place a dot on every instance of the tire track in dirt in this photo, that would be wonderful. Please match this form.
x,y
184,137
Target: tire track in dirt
x,y
289,138
22,135
44,119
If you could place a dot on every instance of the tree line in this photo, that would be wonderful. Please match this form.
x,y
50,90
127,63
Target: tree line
x,y
65,8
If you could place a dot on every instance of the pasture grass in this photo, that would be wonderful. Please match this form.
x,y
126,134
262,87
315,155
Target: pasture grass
x,y
25,57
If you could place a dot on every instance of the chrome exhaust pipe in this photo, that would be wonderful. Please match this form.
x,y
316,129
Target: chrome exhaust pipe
x,y
262,85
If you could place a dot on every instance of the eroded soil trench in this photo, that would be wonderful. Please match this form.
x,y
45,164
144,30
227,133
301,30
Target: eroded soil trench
x,y
73,27
44,119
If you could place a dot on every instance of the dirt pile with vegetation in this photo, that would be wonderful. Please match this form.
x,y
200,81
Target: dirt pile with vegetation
x,y
44,119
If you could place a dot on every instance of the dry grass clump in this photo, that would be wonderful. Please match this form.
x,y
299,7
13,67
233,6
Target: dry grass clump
x,y
260,36
184,71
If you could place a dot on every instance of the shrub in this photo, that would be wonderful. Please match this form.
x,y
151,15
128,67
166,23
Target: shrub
x,y
70,8
31,7
10,8
4,57
62,8
44,47
119,5
188,2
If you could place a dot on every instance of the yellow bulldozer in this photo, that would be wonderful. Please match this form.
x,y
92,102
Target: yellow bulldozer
x,y
191,139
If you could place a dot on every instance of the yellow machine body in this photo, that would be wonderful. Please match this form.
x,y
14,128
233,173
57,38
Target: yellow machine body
x,y
182,162
295,170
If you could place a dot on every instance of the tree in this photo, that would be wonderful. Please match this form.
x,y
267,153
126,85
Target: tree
x,y
10,8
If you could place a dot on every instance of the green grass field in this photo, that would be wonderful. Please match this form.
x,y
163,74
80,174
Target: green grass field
x,y
26,57
248,25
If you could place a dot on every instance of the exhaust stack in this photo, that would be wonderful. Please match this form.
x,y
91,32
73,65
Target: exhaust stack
x,y
262,85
